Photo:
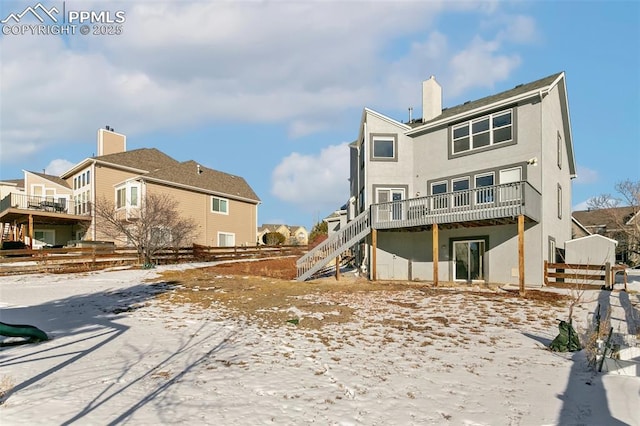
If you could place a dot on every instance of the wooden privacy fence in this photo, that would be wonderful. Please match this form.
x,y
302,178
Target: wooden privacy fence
x,y
571,274
89,258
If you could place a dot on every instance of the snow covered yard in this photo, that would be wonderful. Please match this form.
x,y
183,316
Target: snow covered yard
x,y
128,348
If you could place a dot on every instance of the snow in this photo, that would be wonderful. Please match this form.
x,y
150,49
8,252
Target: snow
x,y
119,356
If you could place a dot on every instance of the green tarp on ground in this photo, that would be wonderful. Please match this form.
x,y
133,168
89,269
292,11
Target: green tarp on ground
x,y
567,340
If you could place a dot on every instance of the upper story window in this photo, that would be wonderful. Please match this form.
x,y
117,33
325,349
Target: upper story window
x,y
128,195
82,180
219,205
482,132
384,147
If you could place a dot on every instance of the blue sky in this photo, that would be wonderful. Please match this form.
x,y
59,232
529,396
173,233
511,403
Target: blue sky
x,y
273,91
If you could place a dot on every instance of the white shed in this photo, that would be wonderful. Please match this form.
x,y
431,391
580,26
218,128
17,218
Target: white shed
x,y
592,250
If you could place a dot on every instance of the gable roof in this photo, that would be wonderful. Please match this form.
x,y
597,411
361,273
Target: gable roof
x,y
54,179
186,174
516,92
154,165
538,88
604,217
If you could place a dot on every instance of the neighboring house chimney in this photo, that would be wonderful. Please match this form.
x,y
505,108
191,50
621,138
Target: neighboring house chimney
x,y
431,99
110,142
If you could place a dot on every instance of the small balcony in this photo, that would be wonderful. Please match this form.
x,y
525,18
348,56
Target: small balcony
x,y
32,202
485,204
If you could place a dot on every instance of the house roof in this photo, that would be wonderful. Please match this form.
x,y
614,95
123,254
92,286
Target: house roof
x,y
605,217
520,89
16,182
591,237
155,165
55,179
187,174
146,159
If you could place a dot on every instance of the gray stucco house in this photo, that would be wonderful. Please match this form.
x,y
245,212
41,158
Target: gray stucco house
x,y
480,192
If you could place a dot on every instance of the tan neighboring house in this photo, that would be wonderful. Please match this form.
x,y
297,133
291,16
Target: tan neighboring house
x,y
223,206
293,234
621,224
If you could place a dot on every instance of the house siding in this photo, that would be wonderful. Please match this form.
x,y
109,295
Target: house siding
x,y
240,221
425,156
552,176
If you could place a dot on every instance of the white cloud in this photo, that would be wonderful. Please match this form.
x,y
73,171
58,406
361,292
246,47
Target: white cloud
x,y
184,63
314,183
586,175
480,55
58,166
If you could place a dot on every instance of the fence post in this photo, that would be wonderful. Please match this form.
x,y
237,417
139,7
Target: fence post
x,y
607,276
546,272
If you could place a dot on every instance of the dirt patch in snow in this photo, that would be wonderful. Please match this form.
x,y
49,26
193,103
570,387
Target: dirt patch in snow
x,y
264,292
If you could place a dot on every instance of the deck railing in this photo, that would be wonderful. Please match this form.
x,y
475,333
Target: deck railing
x,y
490,202
33,202
336,244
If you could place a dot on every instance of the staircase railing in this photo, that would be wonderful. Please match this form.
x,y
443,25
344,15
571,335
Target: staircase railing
x,y
336,244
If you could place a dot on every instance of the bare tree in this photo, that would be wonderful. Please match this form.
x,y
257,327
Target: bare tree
x,y
623,210
153,226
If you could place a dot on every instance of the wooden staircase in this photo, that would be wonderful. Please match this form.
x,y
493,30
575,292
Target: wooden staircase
x,y
337,243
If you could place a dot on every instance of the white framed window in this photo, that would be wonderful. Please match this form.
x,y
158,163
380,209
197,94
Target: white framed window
x,y
439,199
484,188
482,132
460,192
127,195
226,239
511,192
37,190
219,205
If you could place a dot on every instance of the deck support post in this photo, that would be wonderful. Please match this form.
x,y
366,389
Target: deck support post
x,y
521,254
31,231
434,236
337,267
374,250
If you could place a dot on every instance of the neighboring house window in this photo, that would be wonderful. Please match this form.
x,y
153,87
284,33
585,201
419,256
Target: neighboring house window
x,y
559,151
384,147
219,205
439,201
484,195
559,201
482,132
127,195
226,239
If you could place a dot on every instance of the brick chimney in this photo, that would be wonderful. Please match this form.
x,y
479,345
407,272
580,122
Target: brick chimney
x,y
110,142
431,99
